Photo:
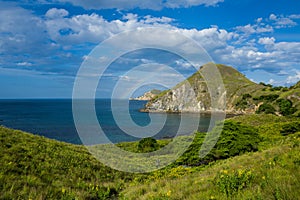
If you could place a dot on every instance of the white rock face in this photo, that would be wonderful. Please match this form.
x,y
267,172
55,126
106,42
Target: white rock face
x,y
184,98
147,96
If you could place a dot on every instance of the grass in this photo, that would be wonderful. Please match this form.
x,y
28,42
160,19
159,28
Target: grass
x,y
34,167
270,174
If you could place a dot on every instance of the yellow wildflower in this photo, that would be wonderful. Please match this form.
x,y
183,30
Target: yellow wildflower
x,y
169,193
240,172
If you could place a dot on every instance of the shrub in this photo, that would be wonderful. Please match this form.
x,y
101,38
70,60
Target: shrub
x,y
286,107
246,96
290,128
243,103
235,139
266,108
147,145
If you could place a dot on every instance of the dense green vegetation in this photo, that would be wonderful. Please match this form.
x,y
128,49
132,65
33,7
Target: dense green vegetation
x,y
256,157
272,100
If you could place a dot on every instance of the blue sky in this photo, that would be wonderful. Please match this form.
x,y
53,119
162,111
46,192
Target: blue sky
x,y
44,42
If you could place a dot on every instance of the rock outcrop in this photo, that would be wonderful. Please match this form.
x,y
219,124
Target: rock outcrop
x,y
147,96
192,95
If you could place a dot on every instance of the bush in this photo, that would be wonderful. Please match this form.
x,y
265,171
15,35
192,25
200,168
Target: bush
x,y
235,139
147,145
246,96
266,108
243,103
286,107
290,128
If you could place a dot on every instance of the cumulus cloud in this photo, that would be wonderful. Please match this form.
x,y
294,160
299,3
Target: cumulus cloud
x,y
56,13
294,78
283,22
267,40
57,35
21,35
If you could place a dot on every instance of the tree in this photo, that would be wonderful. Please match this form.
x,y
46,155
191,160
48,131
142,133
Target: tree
x,y
266,108
147,145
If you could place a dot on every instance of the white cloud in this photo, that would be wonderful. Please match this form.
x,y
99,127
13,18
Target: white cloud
x,y
271,81
153,20
273,17
184,64
267,40
258,20
282,22
293,79
295,16
56,13
58,34
145,4
26,64
22,35
254,29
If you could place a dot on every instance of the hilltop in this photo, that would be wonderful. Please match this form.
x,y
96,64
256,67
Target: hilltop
x,y
242,96
147,96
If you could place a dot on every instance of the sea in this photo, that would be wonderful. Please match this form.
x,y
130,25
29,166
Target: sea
x,y
53,118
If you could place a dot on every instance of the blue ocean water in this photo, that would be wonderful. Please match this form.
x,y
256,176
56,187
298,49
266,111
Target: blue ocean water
x,y
53,118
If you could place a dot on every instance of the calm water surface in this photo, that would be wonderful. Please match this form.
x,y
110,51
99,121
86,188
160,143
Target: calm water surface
x,y
53,119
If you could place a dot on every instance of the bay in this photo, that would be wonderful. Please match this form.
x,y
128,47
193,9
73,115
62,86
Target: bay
x,y
53,119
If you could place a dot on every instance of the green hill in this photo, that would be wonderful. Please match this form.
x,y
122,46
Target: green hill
x,y
256,157
33,167
242,96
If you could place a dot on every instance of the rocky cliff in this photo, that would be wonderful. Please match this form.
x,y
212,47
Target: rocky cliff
x,y
242,95
147,96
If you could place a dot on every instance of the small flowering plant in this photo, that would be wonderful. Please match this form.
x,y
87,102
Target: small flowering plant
x,y
231,182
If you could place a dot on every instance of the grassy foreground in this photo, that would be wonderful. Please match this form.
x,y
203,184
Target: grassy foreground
x,y
257,157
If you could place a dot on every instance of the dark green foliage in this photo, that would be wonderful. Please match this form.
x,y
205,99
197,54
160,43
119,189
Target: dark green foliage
x,y
147,145
266,108
290,128
279,88
268,98
235,139
243,103
246,96
286,107
264,84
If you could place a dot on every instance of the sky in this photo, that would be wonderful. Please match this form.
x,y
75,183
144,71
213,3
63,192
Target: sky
x,y
43,43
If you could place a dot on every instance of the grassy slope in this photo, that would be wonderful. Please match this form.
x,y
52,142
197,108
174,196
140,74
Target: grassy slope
x,y
275,176
271,173
33,167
